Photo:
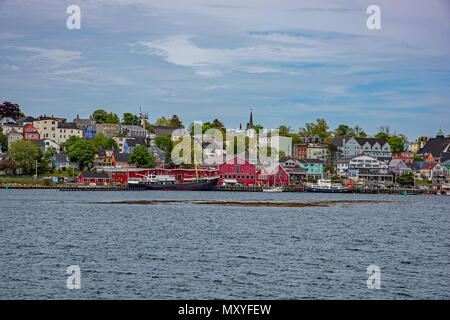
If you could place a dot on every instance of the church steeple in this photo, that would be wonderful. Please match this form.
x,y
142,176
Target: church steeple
x,y
250,124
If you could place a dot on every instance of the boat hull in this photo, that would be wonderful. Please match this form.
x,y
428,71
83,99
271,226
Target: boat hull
x,y
342,190
190,186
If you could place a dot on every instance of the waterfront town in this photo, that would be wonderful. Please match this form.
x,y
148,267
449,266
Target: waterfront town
x,y
103,149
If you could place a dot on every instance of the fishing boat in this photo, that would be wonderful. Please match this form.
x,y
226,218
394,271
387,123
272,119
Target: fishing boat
x,y
327,186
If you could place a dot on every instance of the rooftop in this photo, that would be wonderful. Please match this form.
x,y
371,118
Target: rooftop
x,y
67,125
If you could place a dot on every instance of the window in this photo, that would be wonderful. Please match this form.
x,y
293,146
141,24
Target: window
x,y
220,176
237,169
178,176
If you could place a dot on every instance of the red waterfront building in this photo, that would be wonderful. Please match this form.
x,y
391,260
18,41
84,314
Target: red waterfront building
x,y
273,176
237,171
30,133
95,177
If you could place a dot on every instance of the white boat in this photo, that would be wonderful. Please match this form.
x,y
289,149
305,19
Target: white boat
x,y
327,186
273,189
445,189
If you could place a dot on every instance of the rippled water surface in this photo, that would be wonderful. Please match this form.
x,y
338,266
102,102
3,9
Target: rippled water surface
x,y
191,251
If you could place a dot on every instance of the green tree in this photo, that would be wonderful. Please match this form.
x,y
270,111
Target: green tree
x,y
71,172
332,154
71,141
162,122
295,138
82,151
24,154
406,179
148,126
102,142
319,128
258,127
100,115
283,131
8,165
382,135
140,157
396,144
3,142
175,121
164,143
359,132
112,118
10,110
335,179
343,131
218,124
130,119
386,130
206,126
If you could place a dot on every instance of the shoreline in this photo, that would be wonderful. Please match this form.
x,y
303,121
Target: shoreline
x,y
71,187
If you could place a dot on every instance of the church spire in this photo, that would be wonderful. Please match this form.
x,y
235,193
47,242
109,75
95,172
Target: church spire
x,y
250,124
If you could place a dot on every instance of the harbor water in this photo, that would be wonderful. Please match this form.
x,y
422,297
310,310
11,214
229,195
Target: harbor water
x,y
192,250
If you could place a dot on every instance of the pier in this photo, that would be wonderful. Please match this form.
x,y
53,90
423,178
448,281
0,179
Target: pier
x,y
292,188
239,188
398,191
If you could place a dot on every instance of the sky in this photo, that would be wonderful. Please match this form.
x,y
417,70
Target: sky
x,y
290,61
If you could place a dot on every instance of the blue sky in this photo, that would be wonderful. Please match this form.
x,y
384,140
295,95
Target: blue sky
x,y
291,61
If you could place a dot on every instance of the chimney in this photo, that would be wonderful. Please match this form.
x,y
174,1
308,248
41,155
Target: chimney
x,y
78,117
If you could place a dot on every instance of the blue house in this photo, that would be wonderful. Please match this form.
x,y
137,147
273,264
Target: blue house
x,y
90,132
314,167
126,147
130,143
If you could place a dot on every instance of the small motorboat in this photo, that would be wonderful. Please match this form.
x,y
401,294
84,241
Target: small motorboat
x,y
273,189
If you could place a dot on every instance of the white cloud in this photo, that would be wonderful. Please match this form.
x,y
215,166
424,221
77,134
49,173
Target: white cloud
x,y
208,73
181,50
215,87
9,67
56,56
